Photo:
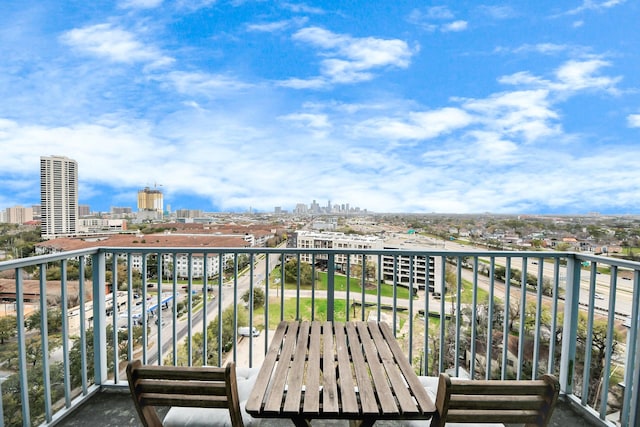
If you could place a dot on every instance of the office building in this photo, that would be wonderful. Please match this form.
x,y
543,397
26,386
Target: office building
x,y
58,196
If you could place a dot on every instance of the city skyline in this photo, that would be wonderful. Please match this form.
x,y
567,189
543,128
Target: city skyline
x,y
240,105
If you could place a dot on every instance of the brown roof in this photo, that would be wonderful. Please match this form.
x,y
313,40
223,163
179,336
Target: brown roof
x,y
144,241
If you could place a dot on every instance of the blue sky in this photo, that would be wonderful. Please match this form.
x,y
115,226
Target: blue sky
x,y
403,106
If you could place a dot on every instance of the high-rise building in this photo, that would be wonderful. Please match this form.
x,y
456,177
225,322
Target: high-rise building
x,y
150,203
58,196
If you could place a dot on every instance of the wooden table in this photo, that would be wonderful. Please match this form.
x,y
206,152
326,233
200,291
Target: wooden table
x,y
333,370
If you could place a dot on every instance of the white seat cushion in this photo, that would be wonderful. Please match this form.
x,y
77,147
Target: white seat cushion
x,y
246,373
195,417
201,417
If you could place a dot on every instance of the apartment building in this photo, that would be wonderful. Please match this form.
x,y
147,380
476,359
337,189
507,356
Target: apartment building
x,y
58,196
185,264
18,215
417,271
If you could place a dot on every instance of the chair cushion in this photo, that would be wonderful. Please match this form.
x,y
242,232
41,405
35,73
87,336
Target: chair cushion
x,y
244,372
245,385
201,417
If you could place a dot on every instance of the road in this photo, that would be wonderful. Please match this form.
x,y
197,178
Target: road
x,y
624,287
228,297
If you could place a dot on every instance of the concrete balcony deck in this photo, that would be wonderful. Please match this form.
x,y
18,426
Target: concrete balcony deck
x,y
115,408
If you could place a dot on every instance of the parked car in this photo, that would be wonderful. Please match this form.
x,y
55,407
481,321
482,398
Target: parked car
x,y
246,331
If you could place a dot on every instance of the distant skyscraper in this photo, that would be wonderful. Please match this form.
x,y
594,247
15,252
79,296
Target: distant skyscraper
x,y
58,196
150,200
150,204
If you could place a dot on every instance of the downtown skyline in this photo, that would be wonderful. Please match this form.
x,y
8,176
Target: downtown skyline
x,y
419,107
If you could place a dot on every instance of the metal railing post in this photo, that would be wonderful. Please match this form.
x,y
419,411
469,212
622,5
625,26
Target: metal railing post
x,y
331,271
570,325
22,353
98,264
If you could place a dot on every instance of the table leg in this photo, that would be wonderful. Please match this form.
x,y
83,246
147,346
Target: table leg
x,y
362,423
301,422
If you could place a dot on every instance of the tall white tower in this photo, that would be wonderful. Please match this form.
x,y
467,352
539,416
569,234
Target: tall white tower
x,y
58,196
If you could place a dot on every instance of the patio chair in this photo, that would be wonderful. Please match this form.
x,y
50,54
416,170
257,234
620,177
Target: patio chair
x,y
528,402
198,396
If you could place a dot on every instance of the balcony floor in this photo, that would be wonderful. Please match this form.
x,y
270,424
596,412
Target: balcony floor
x,y
115,408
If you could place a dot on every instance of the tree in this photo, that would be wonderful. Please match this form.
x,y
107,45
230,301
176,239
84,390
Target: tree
x,y
75,354
370,271
547,287
228,317
598,351
8,328
258,297
11,397
291,272
54,320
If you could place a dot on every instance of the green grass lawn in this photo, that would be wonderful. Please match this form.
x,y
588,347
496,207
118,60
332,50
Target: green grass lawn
x,y
340,285
339,312
320,312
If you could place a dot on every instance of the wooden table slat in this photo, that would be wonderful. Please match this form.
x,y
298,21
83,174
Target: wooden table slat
x,y
312,382
378,374
336,370
329,383
254,403
348,399
297,370
363,380
396,378
419,392
273,402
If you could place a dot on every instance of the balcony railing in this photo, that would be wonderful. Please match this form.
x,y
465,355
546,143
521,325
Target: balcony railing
x,y
485,314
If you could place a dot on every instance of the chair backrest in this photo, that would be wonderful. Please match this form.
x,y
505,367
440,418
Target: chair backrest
x,y
528,402
203,387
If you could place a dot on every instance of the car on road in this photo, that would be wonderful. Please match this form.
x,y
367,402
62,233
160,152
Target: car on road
x,y
598,296
246,331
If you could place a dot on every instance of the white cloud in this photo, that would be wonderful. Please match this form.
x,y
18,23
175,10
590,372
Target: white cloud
x,y
317,124
455,26
437,12
544,48
350,59
492,148
115,44
415,125
210,85
576,75
595,6
139,4
312,83
318,121
571,76
302,8
431,18
194,5
525,114
498,12
271,27
633,120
